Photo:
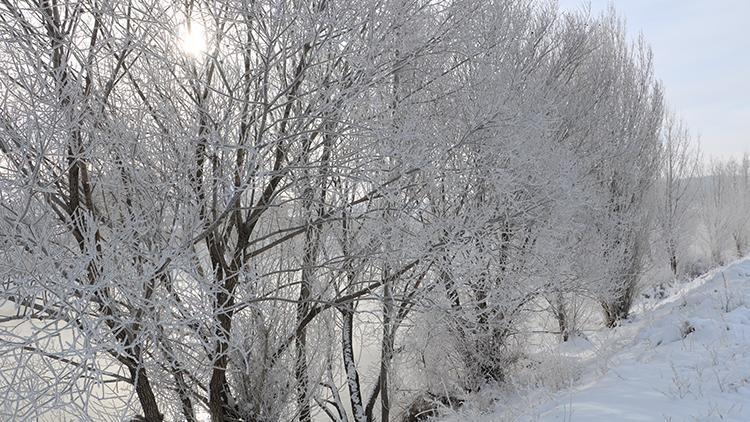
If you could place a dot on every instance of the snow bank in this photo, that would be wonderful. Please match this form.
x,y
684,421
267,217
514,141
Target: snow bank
x,y
683,358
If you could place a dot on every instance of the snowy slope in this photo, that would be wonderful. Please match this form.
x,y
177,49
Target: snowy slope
x,y
684,358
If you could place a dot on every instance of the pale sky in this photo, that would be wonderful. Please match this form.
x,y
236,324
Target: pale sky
x,y
702,55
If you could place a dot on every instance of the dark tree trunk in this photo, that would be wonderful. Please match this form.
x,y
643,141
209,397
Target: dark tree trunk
x,y
146,395
673,264
300,369
618,309
386,351
219,393
352,375
563,325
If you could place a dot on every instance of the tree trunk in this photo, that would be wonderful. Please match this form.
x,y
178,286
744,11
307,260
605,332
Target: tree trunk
x,y
146,395
672,251
386,351
559,311
618,309
352,375
300,367
218,404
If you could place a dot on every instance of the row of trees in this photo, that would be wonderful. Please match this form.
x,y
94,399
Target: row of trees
x,y
337,204
723,209
701,205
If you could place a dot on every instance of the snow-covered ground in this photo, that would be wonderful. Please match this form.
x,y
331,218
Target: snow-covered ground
x,y
682,358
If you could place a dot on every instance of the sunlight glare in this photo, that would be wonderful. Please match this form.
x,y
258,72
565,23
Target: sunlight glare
x,y
193,42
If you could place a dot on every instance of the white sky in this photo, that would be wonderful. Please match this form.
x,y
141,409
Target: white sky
x,y
702,55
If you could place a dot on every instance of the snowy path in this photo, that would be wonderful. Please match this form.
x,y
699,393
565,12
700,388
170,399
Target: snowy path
x,y
684,358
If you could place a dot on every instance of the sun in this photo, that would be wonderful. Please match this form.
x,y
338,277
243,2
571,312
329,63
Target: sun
x,y
192,41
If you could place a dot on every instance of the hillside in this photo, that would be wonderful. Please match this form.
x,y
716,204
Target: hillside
x,y
682,358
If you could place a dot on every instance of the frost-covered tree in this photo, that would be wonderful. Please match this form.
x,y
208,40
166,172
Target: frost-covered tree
x,y
680,161
724,198
248,210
